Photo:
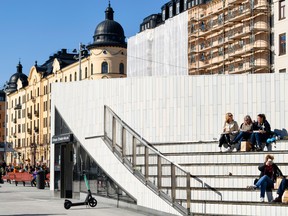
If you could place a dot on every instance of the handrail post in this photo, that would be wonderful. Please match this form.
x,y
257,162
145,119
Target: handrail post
x,y
159,173
123,134
134,153
105,119
188,190
113,133
146,163
173,183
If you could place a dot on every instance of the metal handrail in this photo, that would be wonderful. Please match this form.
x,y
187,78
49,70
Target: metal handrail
x,y
148,146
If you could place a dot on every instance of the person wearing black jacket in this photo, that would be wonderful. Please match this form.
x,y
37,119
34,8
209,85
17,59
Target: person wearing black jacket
x,y
269,173
261,132
283,186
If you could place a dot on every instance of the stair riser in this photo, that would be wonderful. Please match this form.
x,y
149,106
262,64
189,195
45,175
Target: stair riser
x,y
240,196
223,209
217,158
216,182
213,170
206,147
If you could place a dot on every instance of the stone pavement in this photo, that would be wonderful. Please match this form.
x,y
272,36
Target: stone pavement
x,y
29,201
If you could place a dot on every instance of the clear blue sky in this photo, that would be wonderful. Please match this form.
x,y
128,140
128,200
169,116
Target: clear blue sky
x,y
35,29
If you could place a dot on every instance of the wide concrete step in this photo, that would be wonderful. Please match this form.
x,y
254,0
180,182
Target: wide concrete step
x,y
182,147
212,158
214,169
202,207
227,194
213,181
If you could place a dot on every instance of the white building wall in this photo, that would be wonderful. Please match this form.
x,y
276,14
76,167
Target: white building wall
x,y
280,27
166,109
186,108
160,51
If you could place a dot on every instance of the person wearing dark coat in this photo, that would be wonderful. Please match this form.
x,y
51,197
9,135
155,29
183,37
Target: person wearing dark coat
x,y
269,173
261,132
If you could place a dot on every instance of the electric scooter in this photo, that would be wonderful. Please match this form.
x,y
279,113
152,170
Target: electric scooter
x,y
91,201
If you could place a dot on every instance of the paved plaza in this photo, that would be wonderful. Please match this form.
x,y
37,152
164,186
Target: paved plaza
x,y
28,201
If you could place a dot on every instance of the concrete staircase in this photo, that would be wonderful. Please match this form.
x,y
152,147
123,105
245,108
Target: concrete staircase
x,y
229,174
194,177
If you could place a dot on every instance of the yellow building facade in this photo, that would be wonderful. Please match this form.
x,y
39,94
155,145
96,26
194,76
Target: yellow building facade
x,y
229,37
29,98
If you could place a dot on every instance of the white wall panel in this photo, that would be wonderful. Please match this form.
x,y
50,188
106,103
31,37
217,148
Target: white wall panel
x,y
160,51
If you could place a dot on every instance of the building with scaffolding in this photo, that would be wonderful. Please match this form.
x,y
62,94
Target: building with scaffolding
x,y
229,37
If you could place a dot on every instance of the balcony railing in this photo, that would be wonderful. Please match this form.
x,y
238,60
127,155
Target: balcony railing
x,y
144,161
29,115
18,107
36,113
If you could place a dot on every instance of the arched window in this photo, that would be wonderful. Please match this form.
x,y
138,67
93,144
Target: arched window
x,y
104,68
70,77
86,72
92,69
75,76
121,68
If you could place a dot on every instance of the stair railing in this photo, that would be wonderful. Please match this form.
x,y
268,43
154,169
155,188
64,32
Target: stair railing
x,y
172,183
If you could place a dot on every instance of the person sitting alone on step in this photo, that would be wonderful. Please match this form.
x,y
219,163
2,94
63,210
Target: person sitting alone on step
x,y
230,131
269,173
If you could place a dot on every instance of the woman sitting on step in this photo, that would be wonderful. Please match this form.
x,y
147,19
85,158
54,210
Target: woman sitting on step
x,y
261,132
230,130
246,129
269,173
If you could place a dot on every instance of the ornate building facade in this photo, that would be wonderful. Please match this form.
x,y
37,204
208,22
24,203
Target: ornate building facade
x,y
29,97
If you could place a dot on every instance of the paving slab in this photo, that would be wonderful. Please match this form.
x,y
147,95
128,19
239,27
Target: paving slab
x,y
29,201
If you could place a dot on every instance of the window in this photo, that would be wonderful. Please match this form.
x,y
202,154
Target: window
x,y
86,72
163,15
171,11
104,68
65,78
92,69
75,76
282,9
70,78
178,8
282,44
121,68
282,70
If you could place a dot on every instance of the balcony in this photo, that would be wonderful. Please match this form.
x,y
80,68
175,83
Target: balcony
x,y
36,129
29,131
33,145
36,113
29,115
14,120
18,107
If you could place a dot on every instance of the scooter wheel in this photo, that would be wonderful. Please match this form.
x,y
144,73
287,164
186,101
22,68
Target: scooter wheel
x,y
92,202
67,204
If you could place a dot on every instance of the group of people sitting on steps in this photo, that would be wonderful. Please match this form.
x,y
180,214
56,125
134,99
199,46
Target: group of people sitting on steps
x,y
269,173
257,132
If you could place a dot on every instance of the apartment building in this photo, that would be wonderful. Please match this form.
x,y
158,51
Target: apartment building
x,y
229,37
29,97
280,31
